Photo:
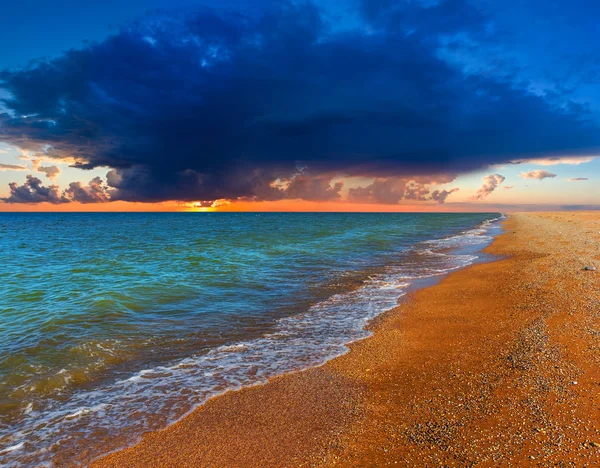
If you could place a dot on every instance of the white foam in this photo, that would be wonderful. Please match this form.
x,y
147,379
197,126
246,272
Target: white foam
x,y
13,448
28,408
234,348
83,411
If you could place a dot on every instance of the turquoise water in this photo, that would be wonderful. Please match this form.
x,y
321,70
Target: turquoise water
x,y
115,324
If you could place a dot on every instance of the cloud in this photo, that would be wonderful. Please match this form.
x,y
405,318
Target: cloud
x,y
312,188
553,161
94,192
441,195
509,187
429,19
33,191
221,106
577,179
51,171
539,175
393,190
490,183
380,191
12,167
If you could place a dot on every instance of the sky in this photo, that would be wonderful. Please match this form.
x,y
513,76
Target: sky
x,y
346,105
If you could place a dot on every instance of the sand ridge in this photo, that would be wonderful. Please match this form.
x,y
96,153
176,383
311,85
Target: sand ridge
x,y
498,365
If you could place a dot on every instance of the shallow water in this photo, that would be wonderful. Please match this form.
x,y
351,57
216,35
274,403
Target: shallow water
x,y
115,324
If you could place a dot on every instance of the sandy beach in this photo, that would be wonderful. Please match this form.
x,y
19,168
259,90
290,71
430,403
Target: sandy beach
x,y
498,365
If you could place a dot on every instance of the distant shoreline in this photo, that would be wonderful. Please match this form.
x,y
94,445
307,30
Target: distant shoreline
x,y
467,371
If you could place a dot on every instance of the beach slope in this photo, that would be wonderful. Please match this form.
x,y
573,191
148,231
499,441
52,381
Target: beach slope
x,y
498,365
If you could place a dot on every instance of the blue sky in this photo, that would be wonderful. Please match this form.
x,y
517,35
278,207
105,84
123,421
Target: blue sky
x,y
33,29
362,101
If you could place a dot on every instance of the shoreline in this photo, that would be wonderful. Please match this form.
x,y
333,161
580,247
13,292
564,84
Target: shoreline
x,y
406,394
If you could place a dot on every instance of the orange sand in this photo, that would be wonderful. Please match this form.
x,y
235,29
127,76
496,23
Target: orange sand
x,y
496,366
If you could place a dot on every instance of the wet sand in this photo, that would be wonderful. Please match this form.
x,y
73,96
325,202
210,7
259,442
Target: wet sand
x,y
498,365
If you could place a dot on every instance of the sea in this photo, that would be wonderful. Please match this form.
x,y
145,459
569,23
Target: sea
x,y
115,324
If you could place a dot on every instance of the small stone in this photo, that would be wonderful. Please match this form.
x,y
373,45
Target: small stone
x,y
589,268
574,382
594,444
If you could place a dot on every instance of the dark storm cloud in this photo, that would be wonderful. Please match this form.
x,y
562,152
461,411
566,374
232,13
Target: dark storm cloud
x,y
210,106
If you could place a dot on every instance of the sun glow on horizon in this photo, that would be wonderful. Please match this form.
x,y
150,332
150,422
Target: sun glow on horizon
x,y
205,206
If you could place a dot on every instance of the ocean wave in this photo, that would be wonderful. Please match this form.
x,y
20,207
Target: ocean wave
x,y
162,394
